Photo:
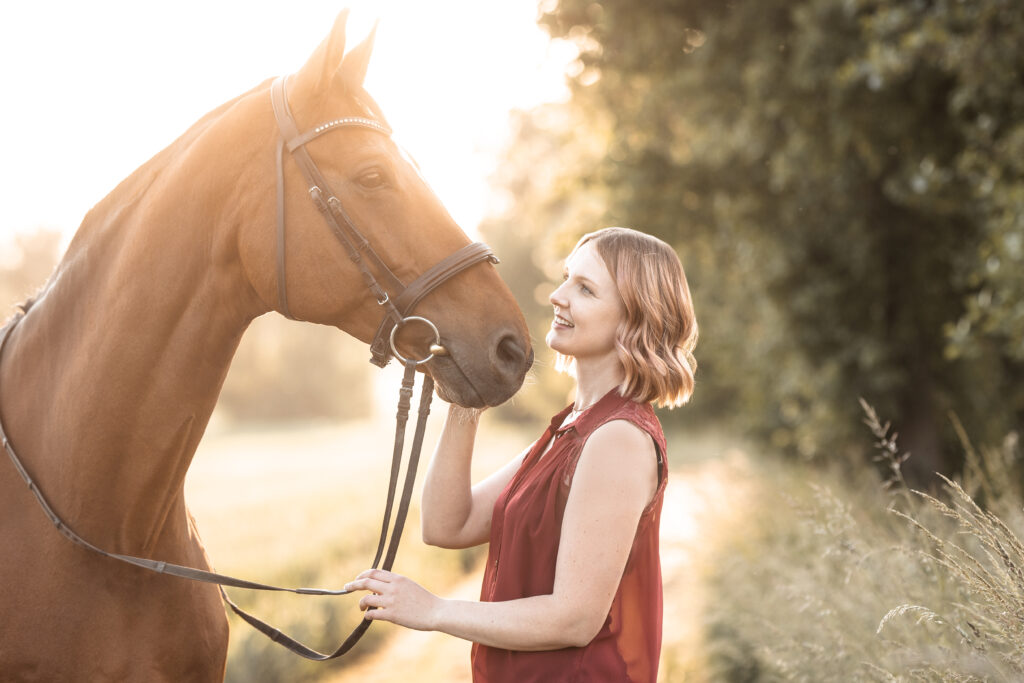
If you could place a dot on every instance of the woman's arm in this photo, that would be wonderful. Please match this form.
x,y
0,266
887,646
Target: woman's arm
x,y
615,479
456,514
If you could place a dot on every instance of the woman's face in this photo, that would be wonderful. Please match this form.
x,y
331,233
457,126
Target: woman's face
x,y
588,309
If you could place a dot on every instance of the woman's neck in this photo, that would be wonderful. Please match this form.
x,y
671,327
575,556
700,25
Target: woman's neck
x,y
595,378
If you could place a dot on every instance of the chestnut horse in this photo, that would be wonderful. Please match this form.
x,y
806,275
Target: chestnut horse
x,y
109,379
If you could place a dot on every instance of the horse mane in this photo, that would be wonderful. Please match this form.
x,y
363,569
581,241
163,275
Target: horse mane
x,y
19,311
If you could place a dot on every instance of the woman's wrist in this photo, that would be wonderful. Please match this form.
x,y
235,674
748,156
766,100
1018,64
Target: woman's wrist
x,y
436,616
464,416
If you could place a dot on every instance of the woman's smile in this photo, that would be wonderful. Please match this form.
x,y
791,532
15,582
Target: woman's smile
x,y
589,301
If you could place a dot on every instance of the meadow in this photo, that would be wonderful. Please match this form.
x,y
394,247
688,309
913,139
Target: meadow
x,y
301,506
773,571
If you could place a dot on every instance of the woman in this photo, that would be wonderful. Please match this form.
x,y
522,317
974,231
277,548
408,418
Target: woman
x,y
572,588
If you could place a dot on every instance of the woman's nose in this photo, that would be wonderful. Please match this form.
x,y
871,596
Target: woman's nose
x,y
556,298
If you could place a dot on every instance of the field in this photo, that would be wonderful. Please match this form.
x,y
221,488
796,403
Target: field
x,y
302,505
773,570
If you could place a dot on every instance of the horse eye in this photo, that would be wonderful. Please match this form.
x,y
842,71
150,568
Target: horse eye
x,y
371,180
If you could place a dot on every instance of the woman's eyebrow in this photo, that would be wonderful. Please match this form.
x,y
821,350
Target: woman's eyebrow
x,y
582,279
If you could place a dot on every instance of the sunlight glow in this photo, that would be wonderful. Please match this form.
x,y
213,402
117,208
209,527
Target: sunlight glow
x,y
93,90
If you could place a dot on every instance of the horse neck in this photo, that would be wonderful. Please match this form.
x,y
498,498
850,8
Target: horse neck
x,y
118,365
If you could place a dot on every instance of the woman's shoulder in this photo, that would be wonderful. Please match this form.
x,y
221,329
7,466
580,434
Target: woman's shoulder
x,y
640,415
620,449
619,435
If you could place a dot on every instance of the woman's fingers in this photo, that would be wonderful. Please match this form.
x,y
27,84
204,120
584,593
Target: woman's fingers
x,y
371,580
377,582
371,600
376,607
379,574
375,585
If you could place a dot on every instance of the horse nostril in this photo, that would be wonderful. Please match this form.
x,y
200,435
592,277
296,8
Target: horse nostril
x,y
509,355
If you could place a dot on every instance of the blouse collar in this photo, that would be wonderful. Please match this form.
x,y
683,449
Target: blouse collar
x,y
589,415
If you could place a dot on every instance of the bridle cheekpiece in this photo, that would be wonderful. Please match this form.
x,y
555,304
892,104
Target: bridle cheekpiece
x,y
397,298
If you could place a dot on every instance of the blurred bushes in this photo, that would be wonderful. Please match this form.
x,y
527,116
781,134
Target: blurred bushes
x,y
285,370
842,180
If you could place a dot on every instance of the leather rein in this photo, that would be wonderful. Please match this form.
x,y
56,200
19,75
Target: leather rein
x,y
396,314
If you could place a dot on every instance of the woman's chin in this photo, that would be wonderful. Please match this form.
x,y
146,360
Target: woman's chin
x,y
554,343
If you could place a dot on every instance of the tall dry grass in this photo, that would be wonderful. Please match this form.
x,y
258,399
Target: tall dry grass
x,y
857,578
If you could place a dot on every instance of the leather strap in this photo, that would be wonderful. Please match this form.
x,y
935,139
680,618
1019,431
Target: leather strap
x,y
344,229
452,265
337,219
282,285
426,392
193,574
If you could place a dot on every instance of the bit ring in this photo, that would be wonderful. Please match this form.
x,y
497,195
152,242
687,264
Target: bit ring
x,y
414,318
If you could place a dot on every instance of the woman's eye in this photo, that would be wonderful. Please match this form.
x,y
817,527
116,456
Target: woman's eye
x,y
371,179
585,289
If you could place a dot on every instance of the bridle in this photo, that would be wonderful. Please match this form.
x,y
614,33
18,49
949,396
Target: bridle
x,y
397,309
397,299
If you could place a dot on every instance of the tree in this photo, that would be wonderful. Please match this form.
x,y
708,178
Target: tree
x,y
545,202
843,180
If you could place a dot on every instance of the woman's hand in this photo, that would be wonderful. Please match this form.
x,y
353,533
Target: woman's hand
x,y
455,513
396,599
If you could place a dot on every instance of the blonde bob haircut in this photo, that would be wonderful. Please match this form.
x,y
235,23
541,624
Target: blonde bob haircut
x,y
656,338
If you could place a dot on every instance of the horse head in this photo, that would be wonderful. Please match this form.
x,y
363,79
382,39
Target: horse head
x,y
307,271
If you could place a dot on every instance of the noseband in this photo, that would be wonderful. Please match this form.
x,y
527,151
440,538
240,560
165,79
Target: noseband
x,y
397,299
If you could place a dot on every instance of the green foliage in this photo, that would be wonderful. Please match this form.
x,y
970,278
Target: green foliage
x,y
843,181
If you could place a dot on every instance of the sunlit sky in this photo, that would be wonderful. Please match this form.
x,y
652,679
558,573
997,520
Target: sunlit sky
x,y
91,90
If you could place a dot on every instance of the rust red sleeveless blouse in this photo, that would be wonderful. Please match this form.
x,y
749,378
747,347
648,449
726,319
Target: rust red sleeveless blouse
x,y
525,531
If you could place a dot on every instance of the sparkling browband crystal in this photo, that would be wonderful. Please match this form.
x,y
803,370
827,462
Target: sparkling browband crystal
x,y
353,121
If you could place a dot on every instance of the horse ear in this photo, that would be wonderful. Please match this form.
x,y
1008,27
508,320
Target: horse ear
x,y
353,68
319,70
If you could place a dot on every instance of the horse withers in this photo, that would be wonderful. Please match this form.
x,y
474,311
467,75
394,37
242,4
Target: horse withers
x,y
109,379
